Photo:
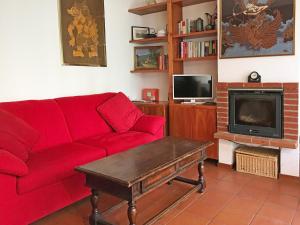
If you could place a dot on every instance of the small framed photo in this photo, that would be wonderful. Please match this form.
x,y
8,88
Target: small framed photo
x,y
138,33
147,57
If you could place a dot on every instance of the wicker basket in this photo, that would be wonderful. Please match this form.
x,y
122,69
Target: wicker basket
x,y
258,161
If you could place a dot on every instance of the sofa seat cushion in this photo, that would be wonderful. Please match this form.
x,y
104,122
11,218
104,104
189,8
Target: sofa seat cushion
x,y
119,142
54,164
120,113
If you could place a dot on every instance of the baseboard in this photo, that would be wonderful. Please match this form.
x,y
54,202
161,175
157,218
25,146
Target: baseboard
x,y
287,176
225,166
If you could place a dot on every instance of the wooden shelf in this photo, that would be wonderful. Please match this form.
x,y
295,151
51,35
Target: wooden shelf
x,y
190,2
148,9
206,58
149,71
150,40
209,33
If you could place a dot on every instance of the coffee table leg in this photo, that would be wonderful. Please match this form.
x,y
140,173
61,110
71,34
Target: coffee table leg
x,y
95,216
201,179
132,212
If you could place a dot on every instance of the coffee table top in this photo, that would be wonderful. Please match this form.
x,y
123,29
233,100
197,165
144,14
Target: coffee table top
x,y
128,168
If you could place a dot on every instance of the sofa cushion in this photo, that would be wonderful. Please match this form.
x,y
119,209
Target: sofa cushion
x,y
12,165
119,142
149,124
54,164
44,116
120,112
16,136
82,117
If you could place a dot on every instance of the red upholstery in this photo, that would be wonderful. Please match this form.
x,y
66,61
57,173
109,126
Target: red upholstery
x,y
119,142
81,115
12,165
46,117
54,164
149,124
72,133
119,112
16,136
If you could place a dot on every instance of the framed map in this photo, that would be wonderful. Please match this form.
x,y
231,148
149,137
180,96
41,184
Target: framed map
x,y
83,32
252,28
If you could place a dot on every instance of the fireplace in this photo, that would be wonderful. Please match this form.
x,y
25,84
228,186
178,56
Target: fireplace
x,y
256,112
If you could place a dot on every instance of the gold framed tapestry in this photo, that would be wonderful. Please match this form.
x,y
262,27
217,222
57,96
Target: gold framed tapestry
x,y
83,32
253,28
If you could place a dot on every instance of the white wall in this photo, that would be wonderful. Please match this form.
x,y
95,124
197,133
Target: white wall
x,y
272,69
30,56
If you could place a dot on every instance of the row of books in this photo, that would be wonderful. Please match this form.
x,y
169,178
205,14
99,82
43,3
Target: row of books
x,y
189,26
163,62
196,49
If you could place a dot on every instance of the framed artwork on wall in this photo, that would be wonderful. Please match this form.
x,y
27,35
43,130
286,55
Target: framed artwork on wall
x,y
83,32
138,33
253,28
147,57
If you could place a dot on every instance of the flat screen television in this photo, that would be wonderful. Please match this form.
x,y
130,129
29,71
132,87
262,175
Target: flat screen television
x,y
192,87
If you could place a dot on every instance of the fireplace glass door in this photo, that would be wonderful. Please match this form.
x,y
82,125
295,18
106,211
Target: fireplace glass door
x,y
256,112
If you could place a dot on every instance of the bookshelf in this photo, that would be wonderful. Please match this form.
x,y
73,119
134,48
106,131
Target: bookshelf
x,y
205,58
149,71
201,123
185,3
150,40
149,9
176,65
202,34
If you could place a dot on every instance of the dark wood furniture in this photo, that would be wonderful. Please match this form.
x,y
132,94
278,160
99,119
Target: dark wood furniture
x,y
132,174
197,122
156,108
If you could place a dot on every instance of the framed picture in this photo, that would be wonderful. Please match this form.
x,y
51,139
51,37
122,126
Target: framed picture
x,y
253,28
147,57
83,32
138,33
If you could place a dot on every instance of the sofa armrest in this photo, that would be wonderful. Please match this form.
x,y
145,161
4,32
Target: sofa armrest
x,y
149,124
12,165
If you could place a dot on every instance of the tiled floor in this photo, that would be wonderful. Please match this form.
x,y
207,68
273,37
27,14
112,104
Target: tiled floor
x,y
231,198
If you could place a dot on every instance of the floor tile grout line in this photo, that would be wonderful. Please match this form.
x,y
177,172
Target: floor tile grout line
x,y
181,211
227,203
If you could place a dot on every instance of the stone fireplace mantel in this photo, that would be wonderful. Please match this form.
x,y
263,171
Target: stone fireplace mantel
x,y
290,115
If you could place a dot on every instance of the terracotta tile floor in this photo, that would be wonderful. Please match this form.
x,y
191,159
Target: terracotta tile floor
x,y
231,198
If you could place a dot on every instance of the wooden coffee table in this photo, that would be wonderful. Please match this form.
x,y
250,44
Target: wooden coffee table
x,y
134,173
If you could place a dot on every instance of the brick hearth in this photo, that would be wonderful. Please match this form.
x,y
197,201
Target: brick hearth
x,y
290,112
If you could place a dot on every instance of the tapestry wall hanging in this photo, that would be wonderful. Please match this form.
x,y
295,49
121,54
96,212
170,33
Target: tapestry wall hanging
x,y
83,32
252,28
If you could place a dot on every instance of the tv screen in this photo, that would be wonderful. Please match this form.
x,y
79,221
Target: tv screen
x,y
192,86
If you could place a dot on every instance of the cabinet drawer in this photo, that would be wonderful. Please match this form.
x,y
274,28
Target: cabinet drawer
x,y
158,177
189,160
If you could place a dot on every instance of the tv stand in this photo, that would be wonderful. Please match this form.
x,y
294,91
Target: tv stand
x,y
195,121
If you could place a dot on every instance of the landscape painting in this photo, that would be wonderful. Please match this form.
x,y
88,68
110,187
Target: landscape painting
x,y
252,28
147,58
83,32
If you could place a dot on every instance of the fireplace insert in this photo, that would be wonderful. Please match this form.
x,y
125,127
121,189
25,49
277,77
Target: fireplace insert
x,y
256,112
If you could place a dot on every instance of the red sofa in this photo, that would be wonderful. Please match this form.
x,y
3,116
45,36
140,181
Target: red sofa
x,y
71,133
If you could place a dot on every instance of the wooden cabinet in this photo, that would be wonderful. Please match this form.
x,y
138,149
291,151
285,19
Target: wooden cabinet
x,y
156,108
198,122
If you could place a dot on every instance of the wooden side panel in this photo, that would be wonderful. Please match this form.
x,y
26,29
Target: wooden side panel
x,y
175,67
195,122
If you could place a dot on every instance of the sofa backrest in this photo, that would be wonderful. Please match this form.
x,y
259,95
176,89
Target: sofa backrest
x,y
82,117
46,117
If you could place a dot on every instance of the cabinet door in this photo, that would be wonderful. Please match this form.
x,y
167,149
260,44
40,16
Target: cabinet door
x,y
195,122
